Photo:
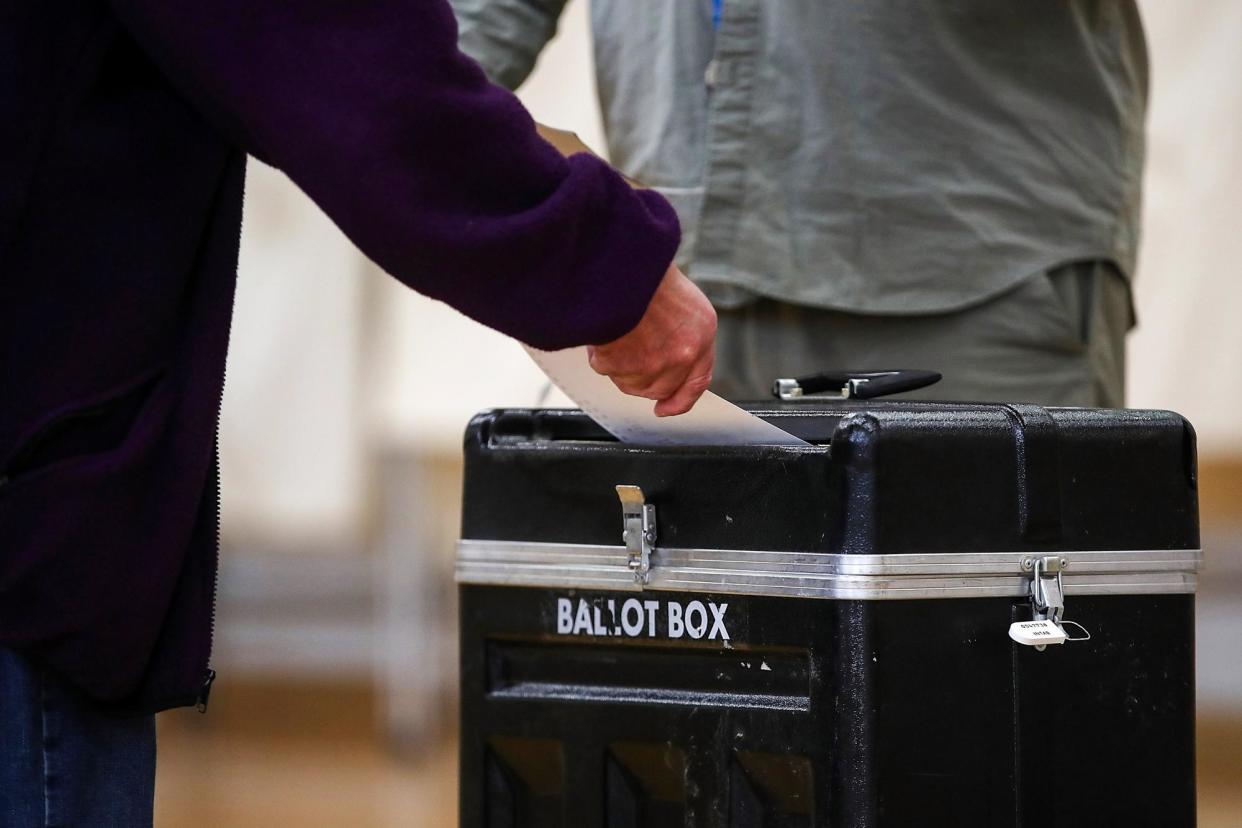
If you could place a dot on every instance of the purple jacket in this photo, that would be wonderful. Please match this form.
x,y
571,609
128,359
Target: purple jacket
x,y
124,127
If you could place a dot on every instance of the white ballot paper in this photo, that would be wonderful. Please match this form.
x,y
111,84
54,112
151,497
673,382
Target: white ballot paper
x,y
712,422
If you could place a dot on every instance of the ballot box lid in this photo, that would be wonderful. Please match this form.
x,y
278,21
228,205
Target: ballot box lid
x,y
888,499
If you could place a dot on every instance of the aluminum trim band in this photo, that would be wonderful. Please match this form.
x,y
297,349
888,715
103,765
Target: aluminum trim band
x,y
822,574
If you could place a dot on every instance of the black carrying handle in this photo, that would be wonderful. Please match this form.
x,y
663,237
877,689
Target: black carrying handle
x,y
862,385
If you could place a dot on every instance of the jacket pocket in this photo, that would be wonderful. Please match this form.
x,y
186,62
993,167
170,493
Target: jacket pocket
x,y
86,429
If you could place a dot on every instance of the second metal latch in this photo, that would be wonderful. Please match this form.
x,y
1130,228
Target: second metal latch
x,y
639,533
1047,589
1047,605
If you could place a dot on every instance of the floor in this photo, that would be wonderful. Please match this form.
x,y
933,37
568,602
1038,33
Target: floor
x,y
311,759
1219,750
269,757
243,784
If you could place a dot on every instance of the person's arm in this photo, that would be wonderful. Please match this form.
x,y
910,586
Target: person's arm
x,y
506,36
669,355
432,171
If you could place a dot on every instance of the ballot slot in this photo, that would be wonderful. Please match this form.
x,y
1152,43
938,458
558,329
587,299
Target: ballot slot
x,y
526,427
815,425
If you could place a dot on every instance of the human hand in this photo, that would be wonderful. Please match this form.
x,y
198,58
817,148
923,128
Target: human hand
x,y
669,355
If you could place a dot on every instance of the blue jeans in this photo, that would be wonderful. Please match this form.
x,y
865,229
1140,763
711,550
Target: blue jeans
x,y
64,763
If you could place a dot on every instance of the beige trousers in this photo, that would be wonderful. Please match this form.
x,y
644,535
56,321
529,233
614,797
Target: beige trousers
x,y
1056,339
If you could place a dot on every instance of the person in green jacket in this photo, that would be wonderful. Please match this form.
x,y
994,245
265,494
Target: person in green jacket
x,y
889,184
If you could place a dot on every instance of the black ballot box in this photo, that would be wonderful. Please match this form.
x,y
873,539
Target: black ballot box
x,y
931,614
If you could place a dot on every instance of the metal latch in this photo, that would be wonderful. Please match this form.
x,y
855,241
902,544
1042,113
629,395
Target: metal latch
x,y
1047,590
1047,605
639,534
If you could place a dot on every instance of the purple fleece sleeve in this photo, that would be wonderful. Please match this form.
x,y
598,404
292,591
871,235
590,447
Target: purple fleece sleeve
x,y
435,173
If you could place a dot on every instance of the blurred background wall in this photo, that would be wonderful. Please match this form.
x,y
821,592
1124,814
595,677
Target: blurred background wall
x,y
347,396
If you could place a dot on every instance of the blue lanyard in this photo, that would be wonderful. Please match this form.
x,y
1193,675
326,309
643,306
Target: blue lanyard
x,y
717,10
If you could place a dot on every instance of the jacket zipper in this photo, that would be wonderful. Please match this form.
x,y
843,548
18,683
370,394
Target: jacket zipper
x,y
204,692
209,674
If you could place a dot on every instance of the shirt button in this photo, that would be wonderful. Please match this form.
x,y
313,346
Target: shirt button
x,y
709,76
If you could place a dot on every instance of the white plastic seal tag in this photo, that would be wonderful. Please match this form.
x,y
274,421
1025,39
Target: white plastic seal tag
x,y
1037,633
